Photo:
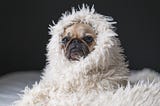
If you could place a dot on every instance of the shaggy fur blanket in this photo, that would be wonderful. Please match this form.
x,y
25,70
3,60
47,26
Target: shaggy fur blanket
x,y
98,79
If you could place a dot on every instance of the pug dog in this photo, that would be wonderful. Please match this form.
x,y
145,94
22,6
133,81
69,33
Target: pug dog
x,y
84,60
78,40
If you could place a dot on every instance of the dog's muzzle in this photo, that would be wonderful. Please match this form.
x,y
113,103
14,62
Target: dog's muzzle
x,y
77,49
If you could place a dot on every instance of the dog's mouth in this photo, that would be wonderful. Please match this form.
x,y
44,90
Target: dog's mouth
x,y
76,50
76,54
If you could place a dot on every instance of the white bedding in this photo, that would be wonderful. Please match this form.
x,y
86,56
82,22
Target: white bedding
x,y
12,84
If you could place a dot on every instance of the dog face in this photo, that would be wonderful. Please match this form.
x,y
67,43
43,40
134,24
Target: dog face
x,y
78,40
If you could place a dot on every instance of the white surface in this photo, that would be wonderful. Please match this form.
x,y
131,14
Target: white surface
x,y
14,83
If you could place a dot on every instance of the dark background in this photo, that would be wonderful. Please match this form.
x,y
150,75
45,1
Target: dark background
x,y
24,30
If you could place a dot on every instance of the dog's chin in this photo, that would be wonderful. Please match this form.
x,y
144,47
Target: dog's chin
x,y
76,55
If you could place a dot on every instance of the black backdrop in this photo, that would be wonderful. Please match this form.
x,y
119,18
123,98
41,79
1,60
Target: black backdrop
x,y
24,30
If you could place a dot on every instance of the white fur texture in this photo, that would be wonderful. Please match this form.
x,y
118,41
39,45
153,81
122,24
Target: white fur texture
x,y
145,75
93,81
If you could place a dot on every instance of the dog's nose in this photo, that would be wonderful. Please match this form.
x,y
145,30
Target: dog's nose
x,y
76,41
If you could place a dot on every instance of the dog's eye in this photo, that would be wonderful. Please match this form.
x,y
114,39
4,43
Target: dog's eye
x,y
88,39
65,39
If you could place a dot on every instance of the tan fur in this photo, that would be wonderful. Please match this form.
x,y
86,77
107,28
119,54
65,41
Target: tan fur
x,y
78,31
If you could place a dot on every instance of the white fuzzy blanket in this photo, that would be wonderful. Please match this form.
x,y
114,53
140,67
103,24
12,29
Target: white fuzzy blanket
x,y
97,80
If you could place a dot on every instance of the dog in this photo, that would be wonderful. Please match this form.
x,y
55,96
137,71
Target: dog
x,y
78,40
86,66
84,56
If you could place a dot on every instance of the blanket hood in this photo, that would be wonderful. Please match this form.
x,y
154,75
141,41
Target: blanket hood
x,y
105,62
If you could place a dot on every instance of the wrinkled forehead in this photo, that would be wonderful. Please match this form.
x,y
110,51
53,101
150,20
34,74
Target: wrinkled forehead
x,y
79,30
